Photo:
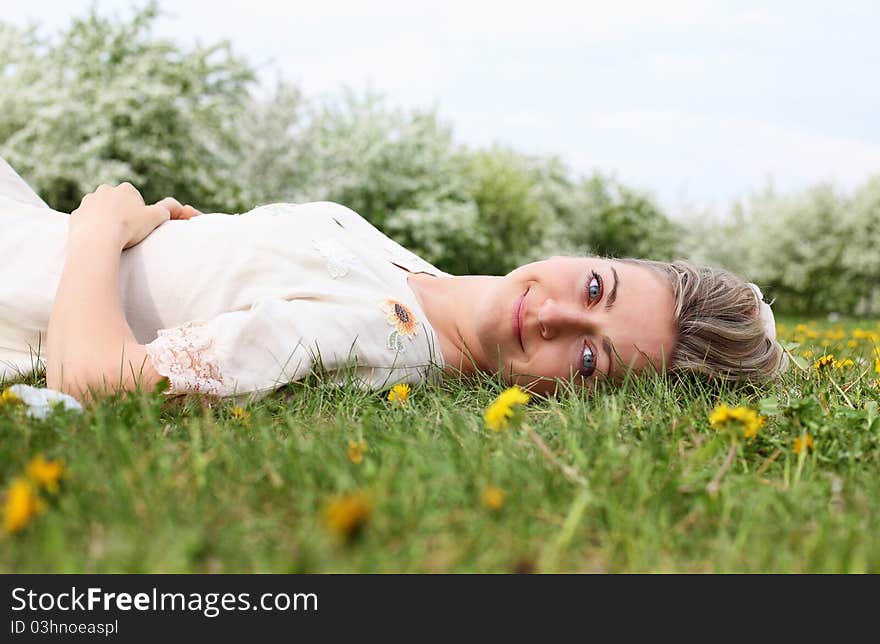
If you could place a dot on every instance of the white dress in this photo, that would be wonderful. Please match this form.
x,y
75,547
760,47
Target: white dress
x,y
229,305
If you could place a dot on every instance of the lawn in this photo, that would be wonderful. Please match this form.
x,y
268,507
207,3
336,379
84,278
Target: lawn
x,y
325,479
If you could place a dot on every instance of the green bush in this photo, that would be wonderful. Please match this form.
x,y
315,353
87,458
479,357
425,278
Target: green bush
x,y
861,253
614,220
814,251
106,102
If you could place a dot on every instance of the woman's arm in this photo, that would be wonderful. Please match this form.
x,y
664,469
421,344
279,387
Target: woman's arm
x,y
90,346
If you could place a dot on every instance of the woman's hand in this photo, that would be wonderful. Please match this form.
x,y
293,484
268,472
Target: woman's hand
x,y
120,212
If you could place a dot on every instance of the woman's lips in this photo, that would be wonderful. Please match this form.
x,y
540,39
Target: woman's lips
x,y
519,314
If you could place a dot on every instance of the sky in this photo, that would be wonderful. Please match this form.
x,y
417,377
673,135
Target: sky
x,y
697,102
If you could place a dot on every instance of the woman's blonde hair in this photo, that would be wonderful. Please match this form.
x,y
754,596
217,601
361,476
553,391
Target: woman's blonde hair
x,y
719,330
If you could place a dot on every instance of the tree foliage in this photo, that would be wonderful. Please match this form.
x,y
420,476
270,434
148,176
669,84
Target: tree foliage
x,y
814,251
106,101
617,221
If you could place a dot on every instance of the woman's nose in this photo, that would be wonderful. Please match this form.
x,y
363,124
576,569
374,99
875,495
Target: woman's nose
x,y
558,317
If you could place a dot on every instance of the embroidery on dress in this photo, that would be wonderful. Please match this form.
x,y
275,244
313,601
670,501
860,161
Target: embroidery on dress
x,y
185,355
339,259
404,321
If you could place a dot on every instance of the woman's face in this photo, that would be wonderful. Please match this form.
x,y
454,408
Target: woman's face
x,y
581,317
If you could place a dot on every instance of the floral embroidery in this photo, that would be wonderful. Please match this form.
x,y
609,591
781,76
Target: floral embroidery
x,y
401,317
185,355
339,259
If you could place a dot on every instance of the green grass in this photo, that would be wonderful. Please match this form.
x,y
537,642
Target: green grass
x,y
617,480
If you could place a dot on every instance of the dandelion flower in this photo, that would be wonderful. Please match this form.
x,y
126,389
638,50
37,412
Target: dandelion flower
x,y
241,415
356,451
399,394
514,396
823,362
808,354
22,504
345,515
719,416
748,420
45,474
752,423
802,443
9,397
842,364
497,415
493,497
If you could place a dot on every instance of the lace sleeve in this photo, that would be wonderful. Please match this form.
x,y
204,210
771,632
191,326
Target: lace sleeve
x,y
185,355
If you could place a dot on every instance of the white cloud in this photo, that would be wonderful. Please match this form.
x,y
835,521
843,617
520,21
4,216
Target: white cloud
x,y
715,159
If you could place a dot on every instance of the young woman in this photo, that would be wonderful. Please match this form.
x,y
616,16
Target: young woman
x,y
121,293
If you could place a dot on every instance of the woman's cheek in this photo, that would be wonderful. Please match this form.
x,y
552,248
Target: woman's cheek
x,y
547,364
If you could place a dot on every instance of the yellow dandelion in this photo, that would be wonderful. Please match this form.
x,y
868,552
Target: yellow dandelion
x,y
241,415
497,415
22,504
493,497
843,364
752,424
514,396
823,362
356,451
45,474
852,344
399,394
719,415
743,418
802,443
808,354
8,397
345,515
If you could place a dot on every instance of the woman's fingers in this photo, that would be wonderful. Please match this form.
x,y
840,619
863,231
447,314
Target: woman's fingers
x,y
172,205
148,219
177,210
159,214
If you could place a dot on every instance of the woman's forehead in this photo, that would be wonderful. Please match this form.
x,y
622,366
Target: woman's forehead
x,y
640,324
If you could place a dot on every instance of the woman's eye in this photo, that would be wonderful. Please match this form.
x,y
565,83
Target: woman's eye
x,y
588,362
594,287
